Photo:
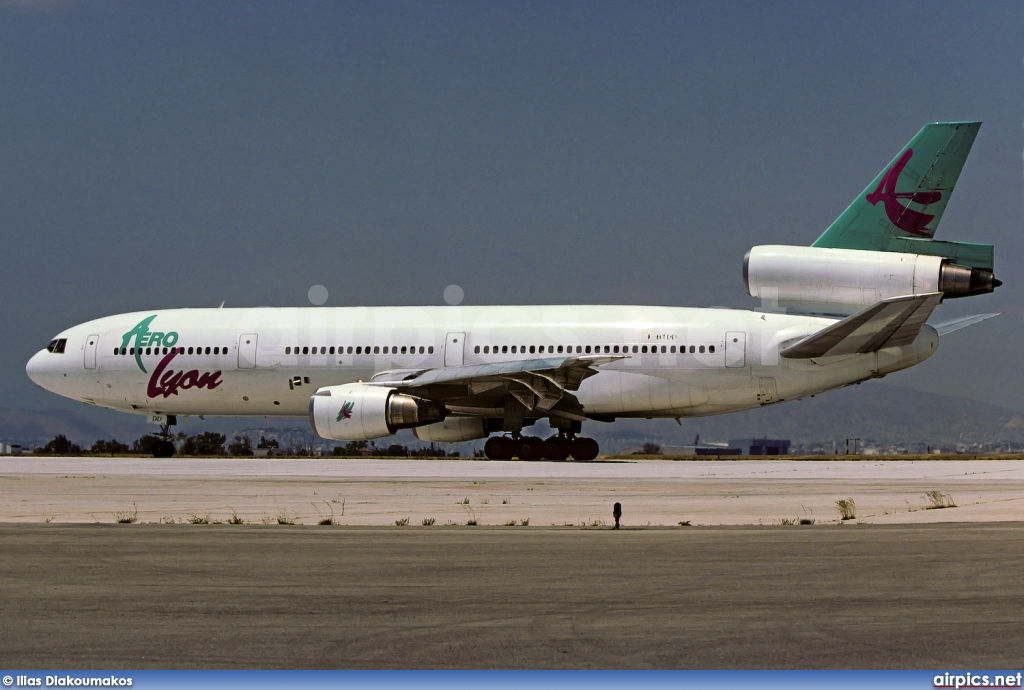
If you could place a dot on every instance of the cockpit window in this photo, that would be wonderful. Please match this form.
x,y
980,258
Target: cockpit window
x,y
57,346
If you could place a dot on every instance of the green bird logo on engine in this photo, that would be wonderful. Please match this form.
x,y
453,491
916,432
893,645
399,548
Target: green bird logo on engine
x,y
346,411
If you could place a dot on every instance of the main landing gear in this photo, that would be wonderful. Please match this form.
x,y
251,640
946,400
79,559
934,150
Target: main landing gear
x,y
558,447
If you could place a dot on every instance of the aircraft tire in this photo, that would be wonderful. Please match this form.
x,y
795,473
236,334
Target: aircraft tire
x,y
584,449
499,448
556,448
163,449
530,448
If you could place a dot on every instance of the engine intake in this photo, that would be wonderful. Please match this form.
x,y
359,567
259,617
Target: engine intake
x,y
357,412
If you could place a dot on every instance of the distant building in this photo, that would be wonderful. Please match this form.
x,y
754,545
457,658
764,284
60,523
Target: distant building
x,y
761,446
10,449
702,449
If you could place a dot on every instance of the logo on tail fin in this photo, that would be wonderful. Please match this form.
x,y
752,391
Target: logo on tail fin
x,y
907,220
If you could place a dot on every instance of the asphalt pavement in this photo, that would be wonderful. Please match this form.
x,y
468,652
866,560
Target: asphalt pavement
x,y
275,596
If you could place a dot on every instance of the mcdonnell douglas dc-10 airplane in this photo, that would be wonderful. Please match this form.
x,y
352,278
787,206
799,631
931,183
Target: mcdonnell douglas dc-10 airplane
x,y
853,306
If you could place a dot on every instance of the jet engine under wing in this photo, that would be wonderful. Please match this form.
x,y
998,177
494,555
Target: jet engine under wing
x,y
889,323
541,384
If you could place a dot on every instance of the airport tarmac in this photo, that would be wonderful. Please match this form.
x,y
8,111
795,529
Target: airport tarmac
x,y
563,591
938,596
380,491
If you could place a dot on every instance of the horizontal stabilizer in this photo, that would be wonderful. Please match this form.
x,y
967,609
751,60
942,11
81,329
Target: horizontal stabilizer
x,y
889,323
945,327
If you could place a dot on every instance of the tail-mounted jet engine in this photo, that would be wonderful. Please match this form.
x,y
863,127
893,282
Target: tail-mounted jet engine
x,y
357,412
846,280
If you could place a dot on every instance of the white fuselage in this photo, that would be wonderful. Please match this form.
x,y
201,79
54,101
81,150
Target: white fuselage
x,y
677,362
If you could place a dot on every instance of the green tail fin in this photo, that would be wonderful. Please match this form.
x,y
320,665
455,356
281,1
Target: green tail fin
x,y
901,208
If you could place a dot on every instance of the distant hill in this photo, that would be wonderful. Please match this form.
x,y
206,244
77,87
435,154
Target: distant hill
x,y
872,411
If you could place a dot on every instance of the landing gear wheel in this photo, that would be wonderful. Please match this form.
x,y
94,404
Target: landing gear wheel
x,y
530,448
163,449
556,448
584,449
499,448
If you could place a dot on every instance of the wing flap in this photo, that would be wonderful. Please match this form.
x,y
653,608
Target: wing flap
x,y
889,323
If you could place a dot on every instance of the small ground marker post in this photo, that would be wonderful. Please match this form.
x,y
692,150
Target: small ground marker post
x,y
616,513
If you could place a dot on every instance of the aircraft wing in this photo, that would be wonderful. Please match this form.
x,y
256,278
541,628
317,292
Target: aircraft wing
x,y
542,385
889,323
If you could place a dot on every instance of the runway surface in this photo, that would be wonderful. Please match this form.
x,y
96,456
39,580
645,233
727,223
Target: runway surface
x,y
227,596
378,492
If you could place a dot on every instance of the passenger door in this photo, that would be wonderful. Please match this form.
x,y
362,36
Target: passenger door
x,y
90,351
247,351
735,349
454,349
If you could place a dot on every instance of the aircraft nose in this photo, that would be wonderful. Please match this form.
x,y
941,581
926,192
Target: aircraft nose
x,y
37,368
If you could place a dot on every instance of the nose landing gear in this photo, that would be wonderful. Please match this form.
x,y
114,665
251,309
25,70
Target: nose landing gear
x,y
164,448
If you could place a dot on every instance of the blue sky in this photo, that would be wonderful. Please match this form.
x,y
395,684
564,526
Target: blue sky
x,y
166,154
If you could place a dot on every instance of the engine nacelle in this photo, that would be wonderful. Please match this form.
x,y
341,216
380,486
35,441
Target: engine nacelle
x,y
357,412
453,430
846,280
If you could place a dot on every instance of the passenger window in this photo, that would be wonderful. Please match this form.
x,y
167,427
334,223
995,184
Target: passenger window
x,y
287,350
385,349
207,350
711,348
331,351
404,349
476,349
513,349
216,350
579,349
533,349
588,349
616,349
692,349
634,349
663,349
672,349
430,349
559,349
349,349
421,349
504,349
359,350
702,349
